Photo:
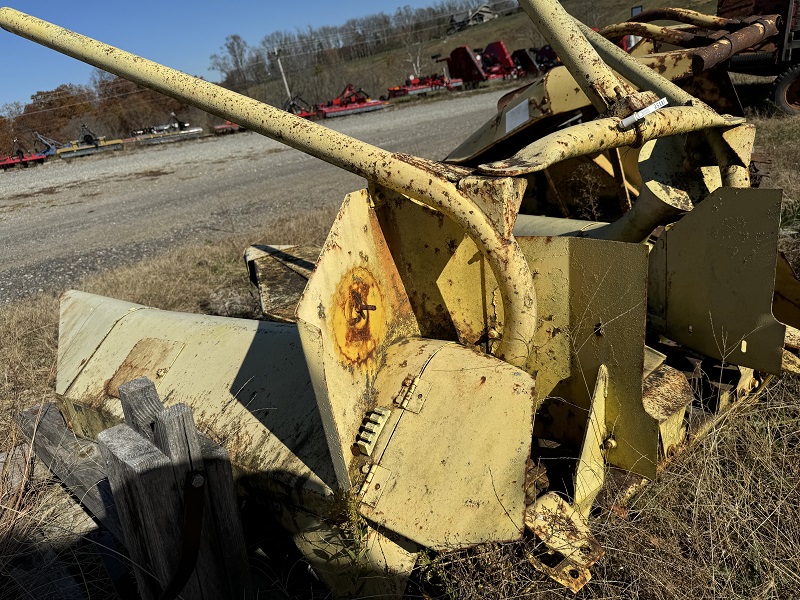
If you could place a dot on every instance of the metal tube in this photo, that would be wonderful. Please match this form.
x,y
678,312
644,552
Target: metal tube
x,y
653,32
595,78
638,73
685,15
428,182
733,43
604,134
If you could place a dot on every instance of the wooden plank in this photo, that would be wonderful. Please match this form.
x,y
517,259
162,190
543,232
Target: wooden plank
x,y
148,503
15,470
76,462
140,405
143,493
175,435
223,511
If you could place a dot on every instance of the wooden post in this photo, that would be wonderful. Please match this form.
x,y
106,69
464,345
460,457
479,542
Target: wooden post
x,y
173,491
76,462
140,405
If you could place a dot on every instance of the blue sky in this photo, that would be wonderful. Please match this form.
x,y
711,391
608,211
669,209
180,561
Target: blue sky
x,y
179,34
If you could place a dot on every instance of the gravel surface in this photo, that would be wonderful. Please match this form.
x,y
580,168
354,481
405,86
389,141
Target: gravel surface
x,y
66,219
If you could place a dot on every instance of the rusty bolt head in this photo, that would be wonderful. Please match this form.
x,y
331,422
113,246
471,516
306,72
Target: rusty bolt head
x,y
610,443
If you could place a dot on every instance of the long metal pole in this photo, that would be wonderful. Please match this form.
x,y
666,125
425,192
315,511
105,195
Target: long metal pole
x,y
594,77
283,75
432,184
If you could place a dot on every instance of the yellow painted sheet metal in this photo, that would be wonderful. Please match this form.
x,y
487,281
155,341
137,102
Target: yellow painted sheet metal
x,y
354,560
84,321
712,275
590,472
452,473
592,298
354,307
246,382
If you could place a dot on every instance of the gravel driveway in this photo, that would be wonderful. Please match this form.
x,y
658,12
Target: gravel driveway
x,y
66,219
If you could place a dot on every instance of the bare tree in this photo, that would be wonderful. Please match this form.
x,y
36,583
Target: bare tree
x,y
232,62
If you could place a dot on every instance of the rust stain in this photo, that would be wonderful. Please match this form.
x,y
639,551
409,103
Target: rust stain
x,y
150,358
358,318
665,391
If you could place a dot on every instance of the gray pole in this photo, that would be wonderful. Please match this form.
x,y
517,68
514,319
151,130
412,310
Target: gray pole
x,y
283,75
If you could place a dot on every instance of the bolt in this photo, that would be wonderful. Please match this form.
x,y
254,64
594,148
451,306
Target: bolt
x,y
198,481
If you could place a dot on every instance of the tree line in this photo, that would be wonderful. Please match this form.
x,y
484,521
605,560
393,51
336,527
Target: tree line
x,y
109,105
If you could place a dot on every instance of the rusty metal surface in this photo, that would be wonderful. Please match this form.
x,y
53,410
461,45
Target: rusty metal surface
x,y
590,472
636,72
300,259
685,15
149,357
444,275
706,49
676,37
351,341
600,320
358,316
565,533
732,43
605,134
600,84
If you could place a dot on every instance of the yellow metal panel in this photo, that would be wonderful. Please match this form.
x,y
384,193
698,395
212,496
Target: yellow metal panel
x,y
354,560
246,382
717,289
590,472
592,303
453,473
84,321
358,303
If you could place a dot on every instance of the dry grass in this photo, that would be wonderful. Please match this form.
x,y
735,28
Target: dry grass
x,y
776,138
723,520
